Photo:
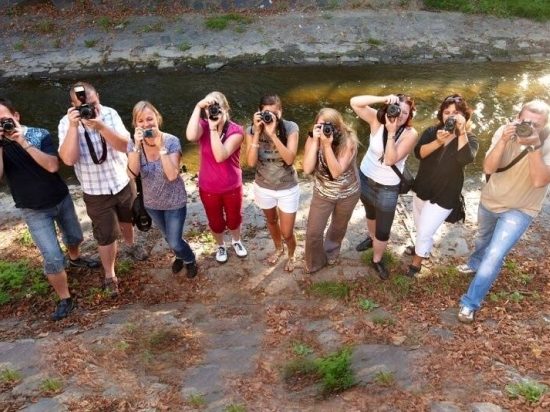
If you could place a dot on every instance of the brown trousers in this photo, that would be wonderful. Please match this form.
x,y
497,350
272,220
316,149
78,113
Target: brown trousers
x,y
321,248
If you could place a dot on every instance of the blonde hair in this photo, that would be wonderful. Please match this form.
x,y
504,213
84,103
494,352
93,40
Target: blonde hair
x,y
140,107
537,106
222,100
347,134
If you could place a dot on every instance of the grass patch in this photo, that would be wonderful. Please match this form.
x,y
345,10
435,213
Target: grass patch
x,y
122,345
336,290
197,401
367,305
46,27
91,43
25,238
384,378
222,21
184,46
9,377
235,407
51,386
529,9
374,41
532,391
383,320
335,370
157,27
18,280
123,267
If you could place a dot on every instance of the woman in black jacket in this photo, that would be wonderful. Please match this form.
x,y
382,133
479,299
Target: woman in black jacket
x,y
443,150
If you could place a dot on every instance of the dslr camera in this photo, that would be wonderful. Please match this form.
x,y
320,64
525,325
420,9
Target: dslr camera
x,y
214,111
327,128
7,124
524,129
85,110
266,116
393,111
450,124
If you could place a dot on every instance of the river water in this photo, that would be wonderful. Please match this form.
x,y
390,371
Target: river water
x,y
494,90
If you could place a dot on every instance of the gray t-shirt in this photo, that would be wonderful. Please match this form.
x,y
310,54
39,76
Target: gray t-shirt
x,y
159,193
271,171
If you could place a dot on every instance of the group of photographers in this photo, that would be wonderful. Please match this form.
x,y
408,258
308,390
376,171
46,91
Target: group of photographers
x,y
94,140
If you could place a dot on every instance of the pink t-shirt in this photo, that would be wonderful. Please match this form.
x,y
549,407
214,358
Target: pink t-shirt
x,y
217,177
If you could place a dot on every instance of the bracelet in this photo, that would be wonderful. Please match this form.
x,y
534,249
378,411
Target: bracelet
x,y
391,137
27,147
163,151
254,145
213,130
136,150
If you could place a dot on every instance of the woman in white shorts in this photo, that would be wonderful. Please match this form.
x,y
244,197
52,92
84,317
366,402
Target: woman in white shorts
x,y
272,144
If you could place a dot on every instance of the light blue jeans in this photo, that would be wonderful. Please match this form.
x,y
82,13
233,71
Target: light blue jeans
x,y
170,223
497,235
42,228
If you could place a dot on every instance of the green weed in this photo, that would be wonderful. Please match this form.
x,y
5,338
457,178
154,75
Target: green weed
x,y
122,345
336,290
368,305
20,46
299,367
18,280
335,370
106,23
375,42
384,378
301,349
222,21
51,386
532,391
197,401
496,296
235,407
46,27
184,46
9,376
91,43
157,27
383,320
535,10
516,297
25,238
123,267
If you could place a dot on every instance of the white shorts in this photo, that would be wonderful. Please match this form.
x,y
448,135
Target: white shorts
x,y
287,200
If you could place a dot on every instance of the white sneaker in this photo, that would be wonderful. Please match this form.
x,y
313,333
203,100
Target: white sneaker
x,y
465,269
221,254
240,249
466,315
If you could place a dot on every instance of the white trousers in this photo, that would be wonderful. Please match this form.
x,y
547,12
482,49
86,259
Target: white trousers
x,y
428,217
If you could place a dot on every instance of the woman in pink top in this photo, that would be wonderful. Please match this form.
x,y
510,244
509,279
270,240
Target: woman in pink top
x,y
220,175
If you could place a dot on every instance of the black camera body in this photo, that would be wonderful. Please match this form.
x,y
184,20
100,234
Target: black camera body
x,y
327,128
393,111
7,124
450,124
147,133
85,110
214,110
266,116
524,129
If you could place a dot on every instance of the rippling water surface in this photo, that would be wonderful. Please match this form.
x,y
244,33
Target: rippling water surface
x,y
494,90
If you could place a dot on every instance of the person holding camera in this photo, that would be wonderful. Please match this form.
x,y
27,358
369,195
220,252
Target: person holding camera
x,y
93,139
155,157
444,150
220,174
29,161
518,161
392,138
330,154
272,144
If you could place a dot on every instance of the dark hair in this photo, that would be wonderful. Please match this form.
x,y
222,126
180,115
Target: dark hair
x,y
8,105
381,113
270,100
459,102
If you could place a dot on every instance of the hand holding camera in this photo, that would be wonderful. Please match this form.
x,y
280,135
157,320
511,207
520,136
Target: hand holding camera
x,y
7,125
325,132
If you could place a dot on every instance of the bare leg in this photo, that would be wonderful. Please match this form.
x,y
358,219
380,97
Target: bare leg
x,y
378,247
59,284
74,252
218,237
107,255
287,229
127,230
272,219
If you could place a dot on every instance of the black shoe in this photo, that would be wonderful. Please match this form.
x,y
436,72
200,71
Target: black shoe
x,y
382,271
413,270
82,262
192,270
110,286
364,245
64,307
177,266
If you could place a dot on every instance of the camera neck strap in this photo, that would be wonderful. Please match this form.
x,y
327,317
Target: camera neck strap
x,y
224,131
92,150
385,139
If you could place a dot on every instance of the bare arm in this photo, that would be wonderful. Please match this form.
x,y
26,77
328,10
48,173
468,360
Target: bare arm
x,y
46,161
336,165
494,156
194,129
310,154
69,149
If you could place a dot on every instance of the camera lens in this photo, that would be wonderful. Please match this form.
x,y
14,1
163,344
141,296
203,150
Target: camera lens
x,y
8,125
86,111
449,125
266,116
524,129
394,110
328,129
214,111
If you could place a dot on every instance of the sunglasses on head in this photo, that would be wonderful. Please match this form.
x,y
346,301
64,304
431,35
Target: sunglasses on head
x,y
454,99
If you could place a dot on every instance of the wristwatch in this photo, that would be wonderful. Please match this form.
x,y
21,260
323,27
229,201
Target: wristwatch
x,y
532,148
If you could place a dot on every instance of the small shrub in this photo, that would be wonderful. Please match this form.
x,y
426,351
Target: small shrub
x,y
375,42
46,27
384,378
336,290
122,345
301,349
532,391
222,21
516,297
25,238
9,377
51,386
123,267
18,280
383,320
235,407
335,370
184,46
197,401
20,46
91,43
157,27
368,305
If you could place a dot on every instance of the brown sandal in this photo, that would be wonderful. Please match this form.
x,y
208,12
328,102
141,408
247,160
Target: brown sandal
x,y
274,256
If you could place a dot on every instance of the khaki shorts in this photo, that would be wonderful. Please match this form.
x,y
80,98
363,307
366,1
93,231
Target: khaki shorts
x,y
107,211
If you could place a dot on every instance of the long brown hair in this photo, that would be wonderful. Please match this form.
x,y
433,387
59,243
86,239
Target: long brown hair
x,y
344,132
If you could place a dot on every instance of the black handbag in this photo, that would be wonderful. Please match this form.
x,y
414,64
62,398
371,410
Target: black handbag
x,y
140,217
459,211
407,179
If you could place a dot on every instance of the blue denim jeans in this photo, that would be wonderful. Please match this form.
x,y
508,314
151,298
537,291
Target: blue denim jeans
x,y
170,223
41,225
497,235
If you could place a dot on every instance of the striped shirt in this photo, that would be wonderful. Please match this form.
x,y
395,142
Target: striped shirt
x,y
110,176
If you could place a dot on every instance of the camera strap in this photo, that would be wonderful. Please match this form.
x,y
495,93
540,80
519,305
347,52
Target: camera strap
x,y
92,150
385,139
224,131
